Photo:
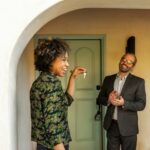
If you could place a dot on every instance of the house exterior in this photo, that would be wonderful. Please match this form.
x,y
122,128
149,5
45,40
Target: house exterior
x,y
21,20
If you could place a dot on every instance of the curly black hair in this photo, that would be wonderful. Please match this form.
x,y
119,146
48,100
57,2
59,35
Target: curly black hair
x,y
47,51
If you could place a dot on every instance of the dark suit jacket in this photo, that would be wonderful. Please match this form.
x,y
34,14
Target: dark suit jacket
x,y
134,95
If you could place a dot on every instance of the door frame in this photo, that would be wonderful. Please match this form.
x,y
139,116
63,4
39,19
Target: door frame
x,y
102,40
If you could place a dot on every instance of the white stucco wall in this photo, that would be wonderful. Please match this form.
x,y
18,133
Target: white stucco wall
x,y
20,20
16,31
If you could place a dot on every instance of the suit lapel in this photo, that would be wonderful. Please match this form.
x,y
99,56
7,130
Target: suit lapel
x,y
126,84
112,82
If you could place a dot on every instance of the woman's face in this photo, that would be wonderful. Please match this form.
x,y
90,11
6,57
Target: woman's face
x,y
60,65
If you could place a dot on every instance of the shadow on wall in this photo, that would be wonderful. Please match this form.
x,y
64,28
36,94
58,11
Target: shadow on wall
x,y
25,73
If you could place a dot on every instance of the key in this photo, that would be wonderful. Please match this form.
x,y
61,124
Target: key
x,y
84,75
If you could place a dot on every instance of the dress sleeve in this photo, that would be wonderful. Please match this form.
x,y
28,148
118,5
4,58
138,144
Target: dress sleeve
x,y
69,98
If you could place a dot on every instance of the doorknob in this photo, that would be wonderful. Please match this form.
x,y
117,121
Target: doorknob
x,y
98,87
98,115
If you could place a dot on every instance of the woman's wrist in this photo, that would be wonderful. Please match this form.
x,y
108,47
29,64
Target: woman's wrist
x,y
73,76
59,147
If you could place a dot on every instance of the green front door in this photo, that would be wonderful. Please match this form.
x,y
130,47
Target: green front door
x,y
85,131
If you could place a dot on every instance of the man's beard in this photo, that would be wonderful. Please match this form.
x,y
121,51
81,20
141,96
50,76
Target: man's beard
x,y
124,69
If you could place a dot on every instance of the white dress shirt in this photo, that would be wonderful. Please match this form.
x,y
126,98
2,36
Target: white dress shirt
x,y
118,85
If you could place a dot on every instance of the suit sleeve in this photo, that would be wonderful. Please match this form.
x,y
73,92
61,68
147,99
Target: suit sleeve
x,y
103,96
139,101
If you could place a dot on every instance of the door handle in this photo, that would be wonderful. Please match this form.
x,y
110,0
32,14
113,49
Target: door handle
x,y
98,115
98,87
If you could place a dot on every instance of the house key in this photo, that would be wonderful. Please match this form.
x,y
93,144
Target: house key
x,y
84,75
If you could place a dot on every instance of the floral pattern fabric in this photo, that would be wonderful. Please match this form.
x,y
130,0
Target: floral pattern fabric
x,y
49,107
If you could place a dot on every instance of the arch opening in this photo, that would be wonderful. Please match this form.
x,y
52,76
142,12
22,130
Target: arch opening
x,y
22,78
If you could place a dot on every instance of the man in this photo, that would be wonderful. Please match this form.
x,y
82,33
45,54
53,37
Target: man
x,y
124,95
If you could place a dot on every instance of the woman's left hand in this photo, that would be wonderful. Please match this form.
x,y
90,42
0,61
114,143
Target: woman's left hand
x,y
77,71
74,73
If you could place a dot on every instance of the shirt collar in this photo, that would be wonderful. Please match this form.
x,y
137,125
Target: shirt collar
x,y
118,76
48,76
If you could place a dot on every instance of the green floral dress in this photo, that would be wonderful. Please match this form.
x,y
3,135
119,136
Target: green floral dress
x,y
49,107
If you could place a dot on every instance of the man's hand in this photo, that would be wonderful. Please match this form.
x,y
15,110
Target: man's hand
x,y
112,96
118,101
115,99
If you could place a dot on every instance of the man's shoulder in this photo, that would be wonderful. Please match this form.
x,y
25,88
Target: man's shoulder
x,y
110,76
135,77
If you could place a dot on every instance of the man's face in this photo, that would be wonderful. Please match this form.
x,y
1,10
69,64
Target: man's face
x,y
126,63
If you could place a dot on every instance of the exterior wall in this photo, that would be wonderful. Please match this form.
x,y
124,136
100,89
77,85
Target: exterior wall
x,y
117,25
20,20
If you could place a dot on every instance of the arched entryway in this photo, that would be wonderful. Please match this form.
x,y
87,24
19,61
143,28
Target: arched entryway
x,y
23,70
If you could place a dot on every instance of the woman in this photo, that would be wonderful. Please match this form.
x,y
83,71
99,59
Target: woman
x,y
49,104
